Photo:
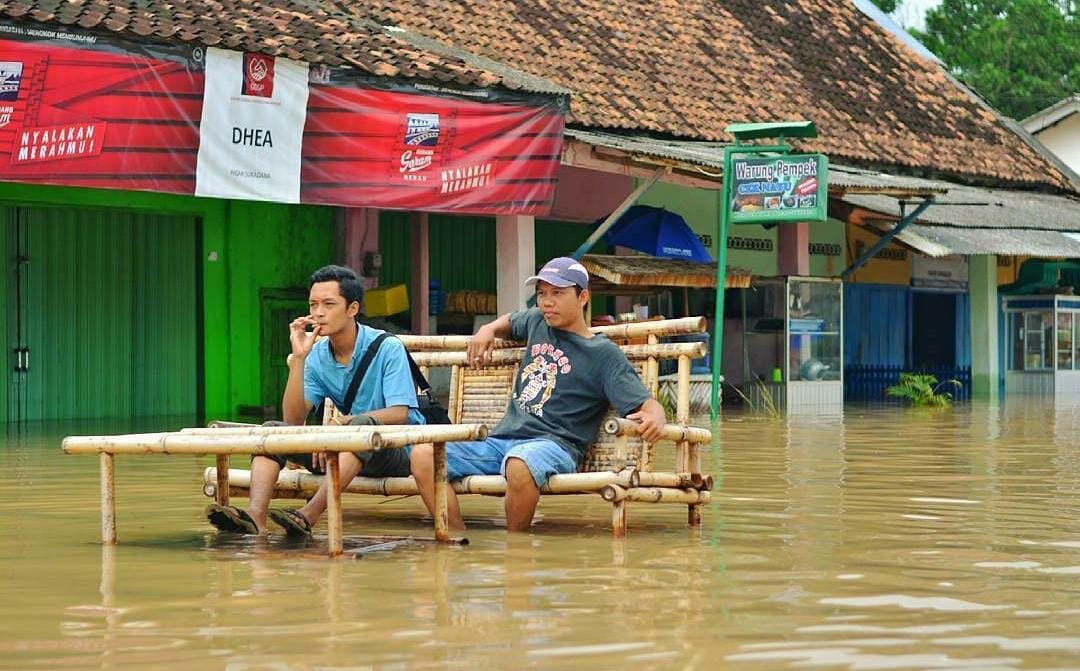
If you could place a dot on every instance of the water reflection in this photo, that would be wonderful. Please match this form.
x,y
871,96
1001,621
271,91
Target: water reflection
x,y
882,538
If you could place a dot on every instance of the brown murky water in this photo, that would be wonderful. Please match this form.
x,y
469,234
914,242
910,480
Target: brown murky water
x,y
885,539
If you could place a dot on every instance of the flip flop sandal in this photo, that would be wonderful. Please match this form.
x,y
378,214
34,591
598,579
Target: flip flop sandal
x,y
231,519
291,520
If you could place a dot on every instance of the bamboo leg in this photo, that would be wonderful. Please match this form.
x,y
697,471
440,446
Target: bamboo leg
x,y
108,500
618,519
333,504
693,515
221,496
442,524
682,414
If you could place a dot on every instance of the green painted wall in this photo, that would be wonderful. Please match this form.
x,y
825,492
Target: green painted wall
x,y
462,250
754,247
267,246
245,248
561,238
7,277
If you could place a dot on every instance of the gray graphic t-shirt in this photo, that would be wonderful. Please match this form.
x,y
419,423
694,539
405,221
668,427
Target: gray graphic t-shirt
x,y
565,385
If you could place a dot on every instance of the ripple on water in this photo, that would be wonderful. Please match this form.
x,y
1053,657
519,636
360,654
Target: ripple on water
x,y
876,540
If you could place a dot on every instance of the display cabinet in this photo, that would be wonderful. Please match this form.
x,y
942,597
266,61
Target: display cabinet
x,y
1042,344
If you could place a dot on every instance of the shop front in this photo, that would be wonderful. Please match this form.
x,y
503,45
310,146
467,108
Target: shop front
x,y
1042,345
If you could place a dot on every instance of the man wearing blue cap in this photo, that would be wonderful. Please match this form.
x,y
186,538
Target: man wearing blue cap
x,y
568,378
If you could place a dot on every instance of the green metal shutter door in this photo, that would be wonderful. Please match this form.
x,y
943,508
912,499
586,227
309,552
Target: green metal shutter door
x,y
110,314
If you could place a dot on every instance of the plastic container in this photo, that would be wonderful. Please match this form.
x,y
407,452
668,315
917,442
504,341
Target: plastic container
x,y
386,301
436,298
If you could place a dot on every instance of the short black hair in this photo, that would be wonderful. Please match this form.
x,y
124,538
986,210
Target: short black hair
x,y
350,286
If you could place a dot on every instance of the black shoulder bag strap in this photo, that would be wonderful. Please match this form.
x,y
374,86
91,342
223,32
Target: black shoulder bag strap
x,y
418,378
361,370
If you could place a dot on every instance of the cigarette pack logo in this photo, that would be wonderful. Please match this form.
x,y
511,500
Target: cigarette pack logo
x,y
10,80
258,76
422,130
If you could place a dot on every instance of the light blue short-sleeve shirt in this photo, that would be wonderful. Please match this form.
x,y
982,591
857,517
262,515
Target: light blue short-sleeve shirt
x,y
388,381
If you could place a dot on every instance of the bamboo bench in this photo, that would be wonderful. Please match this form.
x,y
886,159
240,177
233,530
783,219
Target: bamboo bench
x,y
224,441
617,466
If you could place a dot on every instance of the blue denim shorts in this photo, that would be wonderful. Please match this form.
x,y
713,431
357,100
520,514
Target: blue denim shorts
x,y
544,457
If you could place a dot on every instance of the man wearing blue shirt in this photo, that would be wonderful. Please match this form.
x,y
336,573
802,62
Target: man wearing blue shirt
x,y
320,368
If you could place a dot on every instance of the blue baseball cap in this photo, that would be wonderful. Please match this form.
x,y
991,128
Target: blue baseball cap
x,y
561,272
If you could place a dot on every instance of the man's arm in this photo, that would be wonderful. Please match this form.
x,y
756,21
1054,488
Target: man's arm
x,y
395,414
650,417
482,344
294,407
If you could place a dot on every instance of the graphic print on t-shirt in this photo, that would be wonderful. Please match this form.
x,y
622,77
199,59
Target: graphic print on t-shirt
x,y
539,377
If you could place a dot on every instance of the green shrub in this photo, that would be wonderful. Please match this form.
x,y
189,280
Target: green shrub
x,y
922,390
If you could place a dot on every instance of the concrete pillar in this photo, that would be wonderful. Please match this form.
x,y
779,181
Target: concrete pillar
x,y
793,253
515,251
361,237
421,273
982,288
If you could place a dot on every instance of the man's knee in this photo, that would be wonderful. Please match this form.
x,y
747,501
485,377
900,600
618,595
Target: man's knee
x,y
518,475
420,461
261,460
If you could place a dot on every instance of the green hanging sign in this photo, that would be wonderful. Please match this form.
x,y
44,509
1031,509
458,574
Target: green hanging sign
x,y
788,187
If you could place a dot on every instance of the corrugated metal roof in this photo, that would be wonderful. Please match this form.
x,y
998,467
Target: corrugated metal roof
x,y
707,160
951,241
973,207
705,154
848,180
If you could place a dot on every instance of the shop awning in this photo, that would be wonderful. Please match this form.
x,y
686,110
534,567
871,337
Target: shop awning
x,y
648,272
939,241
967,220
701,164
973,207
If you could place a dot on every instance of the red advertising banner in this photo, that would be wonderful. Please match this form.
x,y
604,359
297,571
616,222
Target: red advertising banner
x,y
76,111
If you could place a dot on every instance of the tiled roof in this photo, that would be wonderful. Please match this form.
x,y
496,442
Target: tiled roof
x,y
688,68
307,30
676,68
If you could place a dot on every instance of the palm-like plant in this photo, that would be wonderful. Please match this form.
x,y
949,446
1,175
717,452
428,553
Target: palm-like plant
x,y
922,390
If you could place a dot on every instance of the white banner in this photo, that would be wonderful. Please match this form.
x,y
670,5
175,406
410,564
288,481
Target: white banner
x,y
254,109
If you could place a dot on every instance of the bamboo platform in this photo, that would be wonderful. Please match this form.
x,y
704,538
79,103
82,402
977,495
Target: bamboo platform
x,y
225,440
617,464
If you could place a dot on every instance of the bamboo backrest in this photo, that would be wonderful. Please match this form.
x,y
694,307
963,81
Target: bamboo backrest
x,y
481,396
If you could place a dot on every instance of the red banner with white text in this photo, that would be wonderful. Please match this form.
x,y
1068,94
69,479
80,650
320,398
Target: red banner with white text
x,y
77,111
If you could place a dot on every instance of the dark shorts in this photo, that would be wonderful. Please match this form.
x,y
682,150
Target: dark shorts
x,y
389,463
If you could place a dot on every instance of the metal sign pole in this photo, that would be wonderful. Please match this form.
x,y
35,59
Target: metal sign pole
x,y
721,281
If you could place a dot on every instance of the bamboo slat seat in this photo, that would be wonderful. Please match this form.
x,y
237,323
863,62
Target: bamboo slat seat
x,y
617,466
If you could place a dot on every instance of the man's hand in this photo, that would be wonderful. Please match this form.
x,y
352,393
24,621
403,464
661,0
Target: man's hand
x,y
318,461
481,346
650,418
300,338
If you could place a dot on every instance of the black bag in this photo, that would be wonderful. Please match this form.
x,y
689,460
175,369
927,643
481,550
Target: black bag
x,y
429,407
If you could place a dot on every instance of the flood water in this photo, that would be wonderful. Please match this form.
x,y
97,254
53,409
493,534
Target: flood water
x,y
884,539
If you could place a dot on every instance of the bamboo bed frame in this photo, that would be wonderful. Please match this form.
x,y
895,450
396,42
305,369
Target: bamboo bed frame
x,y
617,466
225,439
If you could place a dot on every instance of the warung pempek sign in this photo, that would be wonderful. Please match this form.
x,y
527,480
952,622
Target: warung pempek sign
x,y
790,187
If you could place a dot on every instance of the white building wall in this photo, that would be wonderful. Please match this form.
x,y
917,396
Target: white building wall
x,y
1063,138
